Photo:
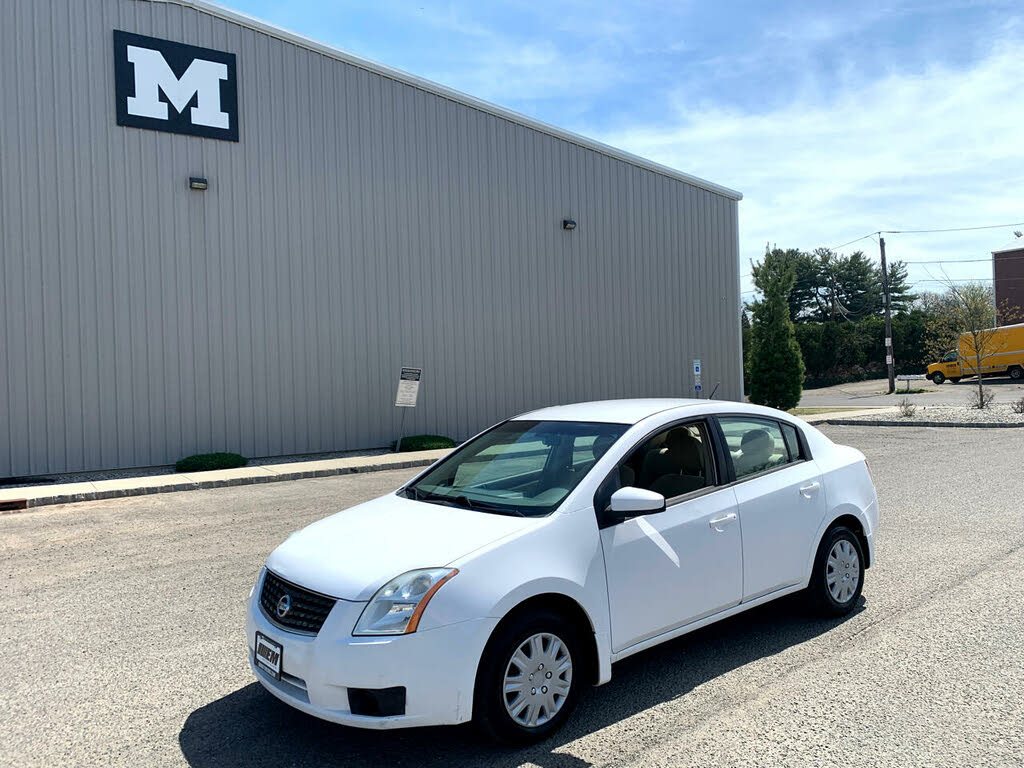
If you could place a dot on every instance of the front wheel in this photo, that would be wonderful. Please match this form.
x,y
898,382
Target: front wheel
x,y
1016,373
838,576
529,678
938,377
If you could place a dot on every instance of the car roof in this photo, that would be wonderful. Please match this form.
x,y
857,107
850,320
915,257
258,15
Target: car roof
x,y
610,411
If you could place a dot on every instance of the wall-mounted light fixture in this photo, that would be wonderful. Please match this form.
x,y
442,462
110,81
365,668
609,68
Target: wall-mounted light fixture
x,y
568,225
197,182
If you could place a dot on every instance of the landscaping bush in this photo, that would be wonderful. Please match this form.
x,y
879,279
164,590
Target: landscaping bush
x,y
1017,406
907,408
204,462
426,443
980,399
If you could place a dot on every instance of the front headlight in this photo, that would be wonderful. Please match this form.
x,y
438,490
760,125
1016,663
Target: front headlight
x,y
398,605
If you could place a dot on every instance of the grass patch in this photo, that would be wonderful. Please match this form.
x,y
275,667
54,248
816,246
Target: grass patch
x,y
425,443
204,462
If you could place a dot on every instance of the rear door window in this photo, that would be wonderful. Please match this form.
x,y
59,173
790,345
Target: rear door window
x,y
755,445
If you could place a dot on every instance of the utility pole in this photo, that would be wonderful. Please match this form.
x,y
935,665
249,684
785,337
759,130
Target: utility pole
x,y
889,361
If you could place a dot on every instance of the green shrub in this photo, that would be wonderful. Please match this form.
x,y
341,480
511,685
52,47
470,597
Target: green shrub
x,y
776,367
204,462
426,443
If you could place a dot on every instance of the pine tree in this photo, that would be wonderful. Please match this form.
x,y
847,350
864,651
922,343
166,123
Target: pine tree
x,y
776,366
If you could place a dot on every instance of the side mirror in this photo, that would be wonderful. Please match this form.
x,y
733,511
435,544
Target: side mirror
x,y
630,502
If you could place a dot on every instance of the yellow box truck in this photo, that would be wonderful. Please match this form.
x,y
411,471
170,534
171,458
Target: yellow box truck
x,y
1002,354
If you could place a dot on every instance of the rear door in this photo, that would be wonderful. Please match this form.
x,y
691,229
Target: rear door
x,y
780,498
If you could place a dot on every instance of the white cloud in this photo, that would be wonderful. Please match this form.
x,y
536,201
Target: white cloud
x,y
937,148
507,66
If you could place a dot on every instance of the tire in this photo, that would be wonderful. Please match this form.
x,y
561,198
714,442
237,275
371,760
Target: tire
x,y
938,378
1016,373
840,555
528,639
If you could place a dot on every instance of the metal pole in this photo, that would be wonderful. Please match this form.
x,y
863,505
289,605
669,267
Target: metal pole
x,y
889,359
401,432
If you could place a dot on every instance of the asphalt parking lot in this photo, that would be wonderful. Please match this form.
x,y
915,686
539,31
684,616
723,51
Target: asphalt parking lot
x,y
123,639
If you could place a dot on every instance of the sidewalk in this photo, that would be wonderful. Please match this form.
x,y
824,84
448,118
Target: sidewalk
x,y
20,498
844,413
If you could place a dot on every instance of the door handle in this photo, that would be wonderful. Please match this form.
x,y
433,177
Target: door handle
x,y
809,490
719,523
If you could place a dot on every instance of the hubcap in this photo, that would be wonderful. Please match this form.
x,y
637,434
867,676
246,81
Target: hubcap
x,y
537,680
842,571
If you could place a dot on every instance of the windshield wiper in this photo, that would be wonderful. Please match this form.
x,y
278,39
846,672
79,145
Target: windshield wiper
x,y
462,501
418,495
484,506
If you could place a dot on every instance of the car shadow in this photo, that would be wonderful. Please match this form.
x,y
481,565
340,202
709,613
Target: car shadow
x,y
252,728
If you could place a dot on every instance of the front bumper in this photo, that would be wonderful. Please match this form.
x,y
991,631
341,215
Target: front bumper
x,y
437,667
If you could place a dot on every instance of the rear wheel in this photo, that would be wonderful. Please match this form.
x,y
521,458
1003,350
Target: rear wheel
x,y
1016,373
838,576
938,377
529,678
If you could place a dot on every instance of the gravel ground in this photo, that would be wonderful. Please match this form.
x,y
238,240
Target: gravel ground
x,y
123,640
872,392
995,413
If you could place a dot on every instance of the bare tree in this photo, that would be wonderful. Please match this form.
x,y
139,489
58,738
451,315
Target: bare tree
x,y
972,313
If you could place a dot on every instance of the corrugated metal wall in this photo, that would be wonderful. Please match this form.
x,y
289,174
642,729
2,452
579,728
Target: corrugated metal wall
x,y
360,224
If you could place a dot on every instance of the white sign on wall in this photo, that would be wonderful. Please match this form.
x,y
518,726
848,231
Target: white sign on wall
x,y
696,376
408,387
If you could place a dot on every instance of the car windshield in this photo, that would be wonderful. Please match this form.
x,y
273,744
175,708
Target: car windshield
x,y
522,468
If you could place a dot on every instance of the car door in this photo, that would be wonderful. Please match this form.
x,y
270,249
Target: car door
x,y
669,568
780,499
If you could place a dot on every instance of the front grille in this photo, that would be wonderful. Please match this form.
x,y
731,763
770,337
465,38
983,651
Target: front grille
x,y
307,610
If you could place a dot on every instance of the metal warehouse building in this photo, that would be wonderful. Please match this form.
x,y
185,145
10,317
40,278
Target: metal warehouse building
x,y
355,219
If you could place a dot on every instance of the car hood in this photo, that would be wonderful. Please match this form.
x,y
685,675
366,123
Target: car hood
x,y
355,552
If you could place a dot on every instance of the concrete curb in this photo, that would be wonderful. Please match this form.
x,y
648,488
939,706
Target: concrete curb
x,y
955,424
21,499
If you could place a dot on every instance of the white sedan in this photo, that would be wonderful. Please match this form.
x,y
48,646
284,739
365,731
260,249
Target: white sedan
x,y
510,575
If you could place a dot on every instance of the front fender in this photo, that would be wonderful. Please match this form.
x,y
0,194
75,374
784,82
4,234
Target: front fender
x,y
563,557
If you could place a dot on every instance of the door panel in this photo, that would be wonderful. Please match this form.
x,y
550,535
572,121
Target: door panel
x,y
670,568
780,512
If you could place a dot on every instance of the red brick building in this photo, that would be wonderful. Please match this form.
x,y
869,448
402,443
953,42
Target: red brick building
x,y
1008,279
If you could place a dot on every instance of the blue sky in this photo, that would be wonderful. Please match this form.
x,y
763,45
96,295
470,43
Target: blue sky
x,y
833,119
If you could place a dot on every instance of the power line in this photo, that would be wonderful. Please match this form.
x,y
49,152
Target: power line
x,y
989,260
951,229
865,237
925,231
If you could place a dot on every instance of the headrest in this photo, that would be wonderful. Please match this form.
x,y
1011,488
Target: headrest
x,y
682,445
756,440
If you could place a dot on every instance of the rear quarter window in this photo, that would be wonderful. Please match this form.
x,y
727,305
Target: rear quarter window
x,y
792,442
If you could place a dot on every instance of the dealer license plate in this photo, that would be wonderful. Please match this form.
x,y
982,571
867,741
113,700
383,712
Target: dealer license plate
x,y
268,655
